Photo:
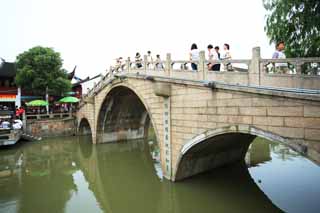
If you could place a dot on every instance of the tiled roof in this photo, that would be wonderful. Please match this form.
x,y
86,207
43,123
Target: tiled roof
x,y
7,69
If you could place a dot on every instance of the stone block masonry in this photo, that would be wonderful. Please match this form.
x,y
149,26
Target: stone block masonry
x,y
52,127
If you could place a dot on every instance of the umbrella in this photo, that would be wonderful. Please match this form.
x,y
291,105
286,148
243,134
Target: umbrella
x,y
69,99
70,93
37,103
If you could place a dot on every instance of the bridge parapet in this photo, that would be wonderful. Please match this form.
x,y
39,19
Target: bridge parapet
x,y
302,73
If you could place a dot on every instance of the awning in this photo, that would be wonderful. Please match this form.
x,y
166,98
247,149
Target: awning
x,y
7,98
70,93
25,97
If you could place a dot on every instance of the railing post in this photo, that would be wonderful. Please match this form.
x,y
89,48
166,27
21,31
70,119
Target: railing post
x,y
201,66
24,121
298,67
168,64
262,68
145,63
254,72
128,64
110,72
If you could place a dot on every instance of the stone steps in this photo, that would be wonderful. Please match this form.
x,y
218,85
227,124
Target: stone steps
x,y
30,137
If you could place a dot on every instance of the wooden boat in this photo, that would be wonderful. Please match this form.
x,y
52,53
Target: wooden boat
x,y
12,136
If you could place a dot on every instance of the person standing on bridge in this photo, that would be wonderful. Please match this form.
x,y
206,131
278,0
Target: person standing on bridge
x,y
279,54
158,63
149,60
210,56
216,67
213,54
119,65
227,56
138,60
194,56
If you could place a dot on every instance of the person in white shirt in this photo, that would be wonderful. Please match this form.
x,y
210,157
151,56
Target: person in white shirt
x,y
279,54
18,121
149,60
5,124
211,56
227,56
194,56
118,66
16,126
158,63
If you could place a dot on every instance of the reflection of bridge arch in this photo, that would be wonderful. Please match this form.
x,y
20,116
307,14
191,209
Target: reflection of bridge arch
x,y
89,166
109,171
219,147
123,115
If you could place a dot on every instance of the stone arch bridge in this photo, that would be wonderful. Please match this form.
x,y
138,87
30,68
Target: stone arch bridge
x,y
204,119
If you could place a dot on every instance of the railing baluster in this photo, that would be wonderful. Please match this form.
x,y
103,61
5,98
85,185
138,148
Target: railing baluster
x,y
110,72
298,65
128,65
145,63
201,65
263,69
168,67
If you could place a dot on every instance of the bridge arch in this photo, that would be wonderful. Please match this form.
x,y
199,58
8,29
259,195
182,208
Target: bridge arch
x,y
123,115
219,147
84,127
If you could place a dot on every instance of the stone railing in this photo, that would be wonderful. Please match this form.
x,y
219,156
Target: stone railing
x,y
48,116
184,65
296,66
302,73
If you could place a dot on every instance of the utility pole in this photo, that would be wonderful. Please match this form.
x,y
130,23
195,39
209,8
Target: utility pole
x,y
47,99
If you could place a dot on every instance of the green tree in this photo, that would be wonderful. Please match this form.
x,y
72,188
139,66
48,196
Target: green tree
x,y
40,68
297,22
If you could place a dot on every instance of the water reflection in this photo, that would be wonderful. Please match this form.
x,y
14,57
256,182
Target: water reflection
x,y
258,153
37,175
71,175
289,179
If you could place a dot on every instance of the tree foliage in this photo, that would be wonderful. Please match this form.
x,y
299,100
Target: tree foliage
x,y
40,68
297,22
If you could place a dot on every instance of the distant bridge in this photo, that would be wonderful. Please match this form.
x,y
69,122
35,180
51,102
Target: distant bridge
x,y
205,119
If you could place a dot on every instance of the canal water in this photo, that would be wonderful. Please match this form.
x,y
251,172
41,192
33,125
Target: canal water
x,y
71,175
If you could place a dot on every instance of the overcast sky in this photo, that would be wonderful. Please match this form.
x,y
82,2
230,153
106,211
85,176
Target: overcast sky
x,y
91,34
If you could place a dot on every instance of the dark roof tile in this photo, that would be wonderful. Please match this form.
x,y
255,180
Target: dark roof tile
x,y
7,69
